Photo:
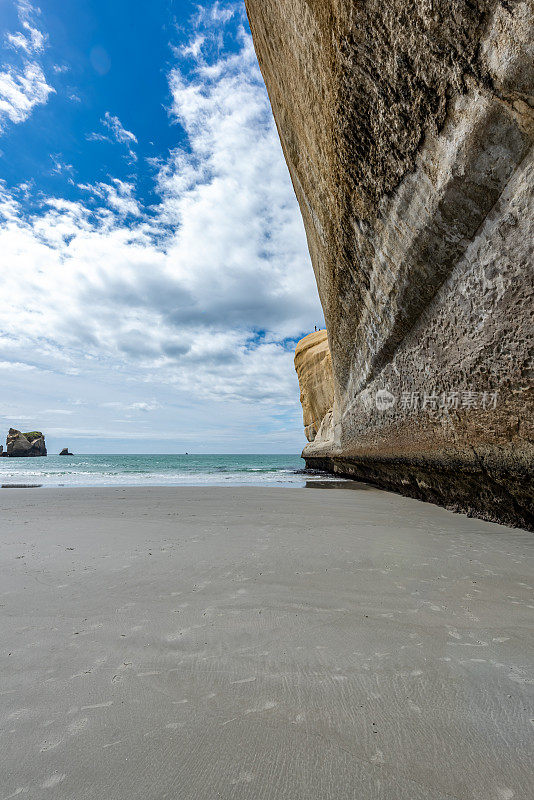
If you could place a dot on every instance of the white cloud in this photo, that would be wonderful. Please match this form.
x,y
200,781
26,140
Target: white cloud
x,y
191,300
220,13
97,137
144,406
16,365
194,47
24,85
118,130
118,195
33,41
21,91
117,133
30,40
60,166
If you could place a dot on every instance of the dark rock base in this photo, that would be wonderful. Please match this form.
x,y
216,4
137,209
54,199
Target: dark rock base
x,y
459,486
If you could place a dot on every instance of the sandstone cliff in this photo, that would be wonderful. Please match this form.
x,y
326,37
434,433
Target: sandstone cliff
x,y
408,127
313,364
29,444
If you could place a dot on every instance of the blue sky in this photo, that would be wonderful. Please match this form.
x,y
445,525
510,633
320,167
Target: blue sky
x,y
154,275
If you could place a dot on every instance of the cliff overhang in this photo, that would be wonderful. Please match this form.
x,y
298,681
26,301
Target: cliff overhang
x,y
408,131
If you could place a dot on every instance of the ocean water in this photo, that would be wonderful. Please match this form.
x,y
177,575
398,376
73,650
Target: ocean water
x,y
155,470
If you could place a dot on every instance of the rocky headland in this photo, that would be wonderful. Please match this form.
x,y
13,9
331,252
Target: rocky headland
x,y
313,364
20,445
407,128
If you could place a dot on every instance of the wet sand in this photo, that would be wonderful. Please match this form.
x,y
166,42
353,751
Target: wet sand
x,y
268,644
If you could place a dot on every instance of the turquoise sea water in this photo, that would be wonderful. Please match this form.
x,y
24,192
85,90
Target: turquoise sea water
x,y
154,470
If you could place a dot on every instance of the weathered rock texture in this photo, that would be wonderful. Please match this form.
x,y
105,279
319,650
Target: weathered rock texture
x,y
314,369
20,445
408,128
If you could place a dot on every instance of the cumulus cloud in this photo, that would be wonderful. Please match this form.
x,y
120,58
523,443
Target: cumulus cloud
x,y
118,194
204,292
23,85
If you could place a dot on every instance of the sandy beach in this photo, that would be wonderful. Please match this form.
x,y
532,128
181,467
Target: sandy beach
x,y
274,644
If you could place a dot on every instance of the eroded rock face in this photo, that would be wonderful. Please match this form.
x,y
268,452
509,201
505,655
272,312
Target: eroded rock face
x,y
408,129
29,444
313,364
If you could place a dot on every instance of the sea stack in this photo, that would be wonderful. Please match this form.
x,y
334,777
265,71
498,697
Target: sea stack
x,y
20,445
66,452
408,132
